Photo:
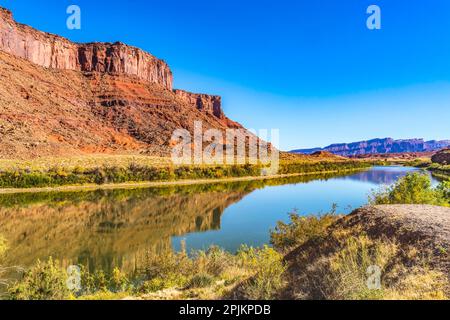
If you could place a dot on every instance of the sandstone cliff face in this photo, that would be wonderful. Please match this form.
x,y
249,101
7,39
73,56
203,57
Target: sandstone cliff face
x,y
58,98
203,102
55,52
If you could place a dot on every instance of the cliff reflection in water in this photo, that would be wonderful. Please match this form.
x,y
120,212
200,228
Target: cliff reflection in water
x,y
109,228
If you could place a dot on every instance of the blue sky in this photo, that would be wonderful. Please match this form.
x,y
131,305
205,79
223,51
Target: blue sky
x,y
309,68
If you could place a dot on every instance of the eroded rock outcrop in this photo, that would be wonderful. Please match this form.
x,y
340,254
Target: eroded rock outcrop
x,y
55,52
206,103
442,157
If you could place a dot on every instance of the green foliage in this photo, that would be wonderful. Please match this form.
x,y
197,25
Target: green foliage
x,y
214,261
158,284
262,270
99,281
300,229
44,281
179,270
48,281
3,246
414,188
323,166
58,176
201,280
444,187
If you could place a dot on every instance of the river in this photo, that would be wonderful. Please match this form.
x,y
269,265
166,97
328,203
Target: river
x,y
109,228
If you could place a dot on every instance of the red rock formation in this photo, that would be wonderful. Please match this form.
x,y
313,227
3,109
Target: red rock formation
x,y
203,102
58,98
442,157
55,52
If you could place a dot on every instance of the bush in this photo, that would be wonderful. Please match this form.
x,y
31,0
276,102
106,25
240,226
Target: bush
x,y
201,280
214,261
44,281
444,187
300,229
3,246
268,267
414,188
158,284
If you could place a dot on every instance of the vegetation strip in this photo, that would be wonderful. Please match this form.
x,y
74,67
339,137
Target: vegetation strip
x,y
161,184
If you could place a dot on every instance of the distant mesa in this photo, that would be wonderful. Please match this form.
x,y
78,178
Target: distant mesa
x,y
380,146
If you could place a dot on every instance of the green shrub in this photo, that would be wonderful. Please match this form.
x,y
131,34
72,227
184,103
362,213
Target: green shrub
x,y
44,281
3,246
414,188
119,281
201,280
158,284
300,229
444,187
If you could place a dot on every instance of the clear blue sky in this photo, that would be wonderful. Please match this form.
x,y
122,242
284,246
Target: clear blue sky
x,y
308,67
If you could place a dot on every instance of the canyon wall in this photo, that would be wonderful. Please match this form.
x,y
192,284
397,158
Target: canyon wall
x,y
62,98
55,52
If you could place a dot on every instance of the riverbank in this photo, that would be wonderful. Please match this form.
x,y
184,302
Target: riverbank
x,y
145,174
439,170
162,184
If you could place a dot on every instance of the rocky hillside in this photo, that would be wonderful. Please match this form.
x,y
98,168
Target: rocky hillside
x,y
380,146
442,157
61,98
409,243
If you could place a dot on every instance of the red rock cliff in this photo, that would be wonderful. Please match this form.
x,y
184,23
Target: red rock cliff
x,y
55,52
206,103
